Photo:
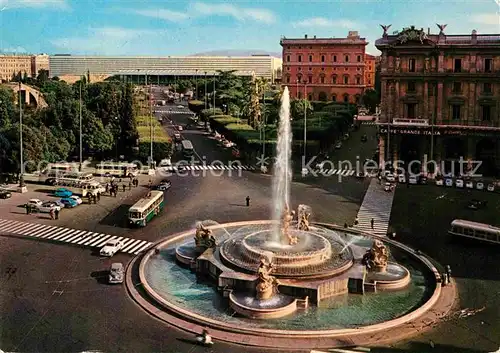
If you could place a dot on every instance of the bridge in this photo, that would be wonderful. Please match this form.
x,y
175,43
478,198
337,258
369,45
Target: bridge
x,y
30,95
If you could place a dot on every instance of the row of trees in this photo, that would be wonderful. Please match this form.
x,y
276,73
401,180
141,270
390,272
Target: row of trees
x,y
52,133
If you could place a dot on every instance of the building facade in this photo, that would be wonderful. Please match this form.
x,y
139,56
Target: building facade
x,y
440,100
64,66
325,69
370,68
11,65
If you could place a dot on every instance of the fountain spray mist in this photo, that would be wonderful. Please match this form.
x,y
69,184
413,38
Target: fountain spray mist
x,y
282,173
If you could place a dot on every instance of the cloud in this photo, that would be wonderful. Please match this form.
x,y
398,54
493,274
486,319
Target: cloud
x,y
164,14
37,4
316,22
17,49
105,41
486,19
239,13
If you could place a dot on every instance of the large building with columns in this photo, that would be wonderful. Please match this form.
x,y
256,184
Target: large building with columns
x,y
440,99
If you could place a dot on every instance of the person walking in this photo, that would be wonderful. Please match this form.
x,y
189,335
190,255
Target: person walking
x,y
123,187
98,196
107,188
448,273
51,214
94,197
115,190
248,201
130,185
372,222
56,213
27,206
89,199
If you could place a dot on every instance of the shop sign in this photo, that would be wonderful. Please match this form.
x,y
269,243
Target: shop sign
x,y
438,132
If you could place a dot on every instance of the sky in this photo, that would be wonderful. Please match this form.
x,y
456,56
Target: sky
x,y
176,28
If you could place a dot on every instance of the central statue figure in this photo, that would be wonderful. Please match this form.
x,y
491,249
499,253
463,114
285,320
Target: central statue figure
x,y
286,219
267,285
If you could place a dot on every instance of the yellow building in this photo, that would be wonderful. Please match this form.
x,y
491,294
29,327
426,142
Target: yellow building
x,y
11,65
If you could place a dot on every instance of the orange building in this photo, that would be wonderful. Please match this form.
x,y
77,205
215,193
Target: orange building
x,y
370,64
325,69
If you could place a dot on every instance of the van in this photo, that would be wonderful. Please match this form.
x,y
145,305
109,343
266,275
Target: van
x,y
413,179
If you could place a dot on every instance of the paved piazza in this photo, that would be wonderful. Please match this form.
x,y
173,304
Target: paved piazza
x,y
55,296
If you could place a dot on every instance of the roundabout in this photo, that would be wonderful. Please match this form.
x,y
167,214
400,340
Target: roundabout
x,y
403,296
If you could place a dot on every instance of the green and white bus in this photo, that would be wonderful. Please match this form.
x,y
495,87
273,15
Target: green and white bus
x,y
187,148
116,169
146,208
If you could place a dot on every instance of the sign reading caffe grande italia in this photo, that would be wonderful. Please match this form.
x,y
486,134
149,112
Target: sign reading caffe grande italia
x,y
427,131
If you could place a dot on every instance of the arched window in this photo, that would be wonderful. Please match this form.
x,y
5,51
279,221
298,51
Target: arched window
x,y
334,79
357,97
310,97
300,95
322,79
334,97
346,58
322,97
346,79
322,58
287,78
358,80
346,98
299,78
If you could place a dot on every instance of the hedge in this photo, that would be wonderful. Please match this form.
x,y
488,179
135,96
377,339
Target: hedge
x,y
162,143
239,127
225,119
196,106
207,113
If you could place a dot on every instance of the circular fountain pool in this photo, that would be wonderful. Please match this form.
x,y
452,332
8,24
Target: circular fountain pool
x,y
182,288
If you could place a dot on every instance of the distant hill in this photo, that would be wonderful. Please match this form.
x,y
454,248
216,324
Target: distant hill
x,y
237,53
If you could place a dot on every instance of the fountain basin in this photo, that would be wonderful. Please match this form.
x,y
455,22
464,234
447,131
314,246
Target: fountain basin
x,y
276,307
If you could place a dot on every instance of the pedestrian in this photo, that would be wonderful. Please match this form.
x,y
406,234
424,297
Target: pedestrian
x,y
98,196
345,225
248,201
116,190
27,208
107,187
56,213
448,273
130,185
120,180
89,199
51,214
150,184
356,221
372,222
94,197
123,187
444,280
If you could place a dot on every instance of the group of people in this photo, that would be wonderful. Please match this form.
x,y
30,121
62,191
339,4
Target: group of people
x,y
53,213
94,198
112,187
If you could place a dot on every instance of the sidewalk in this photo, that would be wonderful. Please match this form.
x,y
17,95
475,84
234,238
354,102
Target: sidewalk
x,y
377,205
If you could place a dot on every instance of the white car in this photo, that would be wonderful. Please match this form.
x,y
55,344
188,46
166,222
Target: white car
x,y
35,202
491,187
116,273
439,182
469,184
180,106
401,178
459,183
448,182
480,186
77,199
111,248
46,207
390,178
413,179
388,187
180,128
165,162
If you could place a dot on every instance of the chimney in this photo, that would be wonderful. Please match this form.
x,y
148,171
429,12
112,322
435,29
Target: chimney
x,y
305,36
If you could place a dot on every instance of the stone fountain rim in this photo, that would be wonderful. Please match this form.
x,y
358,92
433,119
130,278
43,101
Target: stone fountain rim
x,y
189,318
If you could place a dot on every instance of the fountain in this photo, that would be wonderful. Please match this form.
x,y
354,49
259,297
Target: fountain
x,y
286,269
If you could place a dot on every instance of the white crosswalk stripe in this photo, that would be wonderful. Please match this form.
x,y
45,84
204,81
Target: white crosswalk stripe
x,y
377,205
344,350
330,172
174,168
369,123
185,112
70,236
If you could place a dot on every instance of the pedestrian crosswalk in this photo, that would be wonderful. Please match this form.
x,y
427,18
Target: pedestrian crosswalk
x,y
368,123
344,350
70,236
214,167
330,172
183,111
377,205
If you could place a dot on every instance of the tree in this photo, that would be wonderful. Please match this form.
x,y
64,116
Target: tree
x,y
7,110
371,99
42,77
128,126
298,106
95,136
25,77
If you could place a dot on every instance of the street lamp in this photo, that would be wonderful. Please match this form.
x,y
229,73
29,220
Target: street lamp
x,y
81,141
196,80
305,119
205,90
21,176
213,108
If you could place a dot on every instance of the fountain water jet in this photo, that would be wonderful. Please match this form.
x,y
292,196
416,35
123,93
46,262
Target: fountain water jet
x,y
282,172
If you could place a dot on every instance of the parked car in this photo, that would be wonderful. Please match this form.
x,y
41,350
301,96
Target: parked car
x,y
480,185
165,162
448,182
413,179
469,184
51,181
177,137
180,106
5,194
440,182
422,179
35,202
491,187
180,128
46,207
62,192
402,178
476,204
390,178
388,187
459,183
364,138
116,273
111,248
77,199
164,186
68,202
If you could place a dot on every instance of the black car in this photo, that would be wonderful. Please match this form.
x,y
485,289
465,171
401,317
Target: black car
x,y
364,138
476,204
5,194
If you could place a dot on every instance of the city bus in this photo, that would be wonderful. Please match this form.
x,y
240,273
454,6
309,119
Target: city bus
x,y
187,148
475,230
62,167
81,188
117,169
146,208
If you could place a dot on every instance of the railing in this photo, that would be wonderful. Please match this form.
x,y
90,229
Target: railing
x,y
422,122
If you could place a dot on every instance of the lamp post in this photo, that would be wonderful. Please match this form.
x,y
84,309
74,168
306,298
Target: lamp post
x,y
264,128
21,176
81,140
205,90
196,80
151,124
305,119
213,108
